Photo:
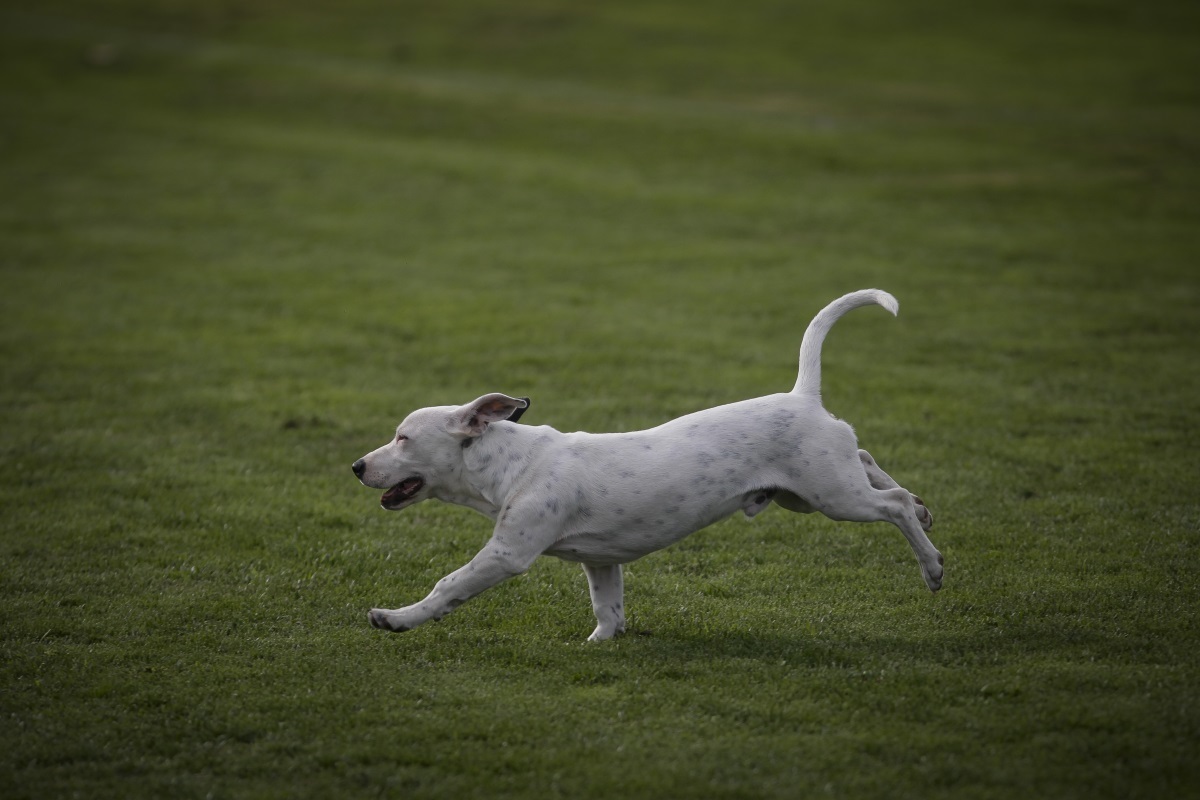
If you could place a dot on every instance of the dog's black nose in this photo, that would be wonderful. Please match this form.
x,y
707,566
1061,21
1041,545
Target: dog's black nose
x,y
359,468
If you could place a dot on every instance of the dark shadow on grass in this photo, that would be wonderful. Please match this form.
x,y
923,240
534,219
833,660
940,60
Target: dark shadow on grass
x,y
969,644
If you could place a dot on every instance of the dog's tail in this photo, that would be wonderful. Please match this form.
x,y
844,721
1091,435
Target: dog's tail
x,y
809,381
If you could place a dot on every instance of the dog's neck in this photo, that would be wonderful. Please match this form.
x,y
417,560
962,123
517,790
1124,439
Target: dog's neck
x,y
493,462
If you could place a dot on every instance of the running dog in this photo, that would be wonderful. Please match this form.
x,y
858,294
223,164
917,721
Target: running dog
x,y
606,499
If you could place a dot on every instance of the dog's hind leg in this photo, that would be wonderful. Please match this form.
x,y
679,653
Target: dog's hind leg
x,y
607,587
881,480
850,496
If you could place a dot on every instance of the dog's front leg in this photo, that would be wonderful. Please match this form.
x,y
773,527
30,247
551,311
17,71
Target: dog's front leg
x,y
495,563
607,587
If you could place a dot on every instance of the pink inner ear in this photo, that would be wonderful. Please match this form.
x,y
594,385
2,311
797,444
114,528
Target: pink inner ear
x,y
491,411
480,419
485,412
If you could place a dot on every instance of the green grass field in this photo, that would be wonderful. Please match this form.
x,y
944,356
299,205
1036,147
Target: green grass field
x,y
239,241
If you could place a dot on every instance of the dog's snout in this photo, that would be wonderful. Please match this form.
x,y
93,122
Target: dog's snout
x,y
359,468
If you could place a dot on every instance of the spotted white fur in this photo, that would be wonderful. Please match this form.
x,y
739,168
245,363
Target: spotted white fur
x,y
605,499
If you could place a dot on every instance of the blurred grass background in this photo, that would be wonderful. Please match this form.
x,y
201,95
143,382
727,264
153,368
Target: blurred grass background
x,y
240,240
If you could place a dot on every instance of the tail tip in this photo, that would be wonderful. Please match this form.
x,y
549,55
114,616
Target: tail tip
x,y
886,300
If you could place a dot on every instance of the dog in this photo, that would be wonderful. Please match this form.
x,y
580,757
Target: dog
x,y
606,499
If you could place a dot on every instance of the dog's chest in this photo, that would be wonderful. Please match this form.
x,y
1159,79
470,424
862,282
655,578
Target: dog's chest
x,y
627,541
614,519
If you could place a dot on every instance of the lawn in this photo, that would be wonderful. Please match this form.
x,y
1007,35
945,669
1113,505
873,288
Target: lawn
x,y
240,241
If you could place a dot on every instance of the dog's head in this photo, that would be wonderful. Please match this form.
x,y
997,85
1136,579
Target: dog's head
x,y
425,458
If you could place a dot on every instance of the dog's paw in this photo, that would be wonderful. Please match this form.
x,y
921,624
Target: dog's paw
x,y
605,632
381,619
933,573
924,515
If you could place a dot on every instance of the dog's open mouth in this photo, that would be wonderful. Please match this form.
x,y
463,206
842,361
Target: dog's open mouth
x,y
401,493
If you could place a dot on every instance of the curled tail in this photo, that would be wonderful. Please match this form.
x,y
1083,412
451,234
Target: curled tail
x,y
809,380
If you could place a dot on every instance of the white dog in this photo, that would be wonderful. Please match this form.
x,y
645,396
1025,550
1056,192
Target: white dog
x,y
605,499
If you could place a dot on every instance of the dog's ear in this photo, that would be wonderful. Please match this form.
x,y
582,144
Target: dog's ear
x,y
473,418
516,415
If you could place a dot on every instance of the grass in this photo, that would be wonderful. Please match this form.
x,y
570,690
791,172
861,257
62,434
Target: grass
x,y
239,242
